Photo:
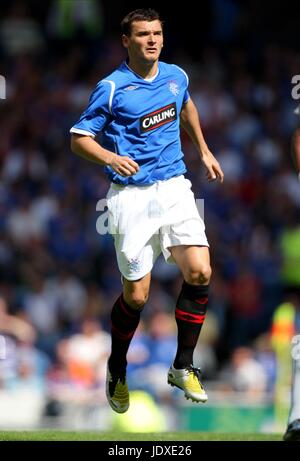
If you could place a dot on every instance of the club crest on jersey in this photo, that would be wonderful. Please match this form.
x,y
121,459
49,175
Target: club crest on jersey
x,y
173,87
158,118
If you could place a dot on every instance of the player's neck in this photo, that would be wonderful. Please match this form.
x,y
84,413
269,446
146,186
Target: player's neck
x,y
145,70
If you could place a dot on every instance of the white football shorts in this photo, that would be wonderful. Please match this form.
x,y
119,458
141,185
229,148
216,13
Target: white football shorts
x,y
147,220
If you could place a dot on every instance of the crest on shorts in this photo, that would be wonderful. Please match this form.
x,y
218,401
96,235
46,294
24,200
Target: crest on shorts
x,y
173,87
134,264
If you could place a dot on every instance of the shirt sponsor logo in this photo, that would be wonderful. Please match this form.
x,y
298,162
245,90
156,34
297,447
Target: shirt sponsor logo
x,y
158,118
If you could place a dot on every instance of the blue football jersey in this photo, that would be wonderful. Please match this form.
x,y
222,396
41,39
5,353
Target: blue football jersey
x,y
140,119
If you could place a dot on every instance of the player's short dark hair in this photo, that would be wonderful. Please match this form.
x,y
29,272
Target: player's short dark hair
x,y
143,14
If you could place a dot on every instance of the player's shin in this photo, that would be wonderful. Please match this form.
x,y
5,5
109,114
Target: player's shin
x,y
124,322
190,314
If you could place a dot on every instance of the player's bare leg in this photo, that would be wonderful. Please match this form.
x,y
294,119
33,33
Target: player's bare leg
x,y
125,317
136,292
194,263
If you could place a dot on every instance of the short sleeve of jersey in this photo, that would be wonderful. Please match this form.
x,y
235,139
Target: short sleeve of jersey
x,y
98,112
186,96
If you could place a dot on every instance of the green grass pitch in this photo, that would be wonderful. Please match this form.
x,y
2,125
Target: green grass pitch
x,y
54,435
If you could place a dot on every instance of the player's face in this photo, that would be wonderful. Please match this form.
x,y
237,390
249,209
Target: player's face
x,y
145,41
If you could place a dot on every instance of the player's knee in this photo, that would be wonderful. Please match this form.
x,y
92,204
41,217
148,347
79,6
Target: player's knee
x,y
199,277
137,299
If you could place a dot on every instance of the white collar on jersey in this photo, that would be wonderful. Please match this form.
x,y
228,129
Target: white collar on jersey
x,y
150,79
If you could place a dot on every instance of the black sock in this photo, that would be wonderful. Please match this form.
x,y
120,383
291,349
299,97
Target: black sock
x,y
190,314
124,322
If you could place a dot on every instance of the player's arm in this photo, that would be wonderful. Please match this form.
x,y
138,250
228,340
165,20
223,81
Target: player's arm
x,y
88,148
189,120
295,146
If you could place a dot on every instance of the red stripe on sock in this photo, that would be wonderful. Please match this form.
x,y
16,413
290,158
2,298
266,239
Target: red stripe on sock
x,y
202,300
187,317
195,316
120,335
124,308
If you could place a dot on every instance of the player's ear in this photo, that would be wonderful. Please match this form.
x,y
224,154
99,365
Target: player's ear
x,y
125,41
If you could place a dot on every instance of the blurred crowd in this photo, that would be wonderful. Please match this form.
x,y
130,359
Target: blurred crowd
x,y
59,277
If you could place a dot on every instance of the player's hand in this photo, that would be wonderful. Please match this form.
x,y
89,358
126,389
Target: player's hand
x,y
124,166
213,168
